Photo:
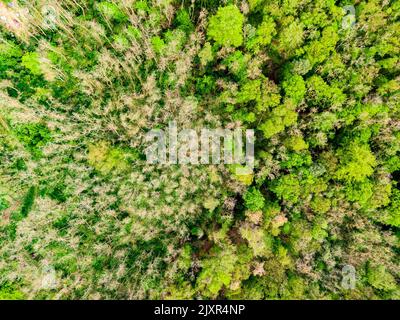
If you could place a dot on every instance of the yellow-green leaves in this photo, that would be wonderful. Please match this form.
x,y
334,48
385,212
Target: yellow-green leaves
x,y
262,36
254,200
30,60
206,54
295,88
381,279
356,163
225,28
111,11
296,143
217,272
105,158
258,239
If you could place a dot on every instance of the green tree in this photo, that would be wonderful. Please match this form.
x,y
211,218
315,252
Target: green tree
x,y
287,188
226,27
380,278
295,88
216,272
254,200
357,162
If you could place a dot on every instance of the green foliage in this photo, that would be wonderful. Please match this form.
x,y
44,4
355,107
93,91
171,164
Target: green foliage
x,y
360,192
111,11
226,27
320,204
296,160
254,4
8,293
216,272
295,289
262,36
318,50
30,60
28,201
237,65
183,21
323,94
357,162
291,37
259,241
250,91
287,188
254,200
279,118
392,215
296,143
3,204
294,88
205,85
33,136
107,159
9,55
76,192
206,54
380,279
158,44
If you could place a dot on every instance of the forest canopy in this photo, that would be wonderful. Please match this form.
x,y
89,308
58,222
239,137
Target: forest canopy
x,y
83,215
